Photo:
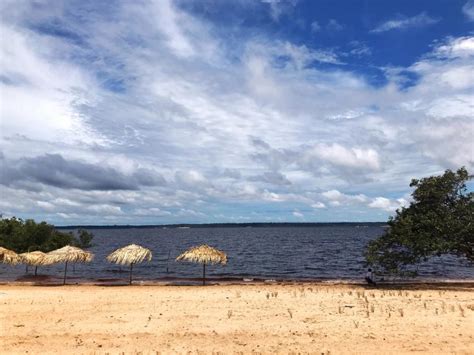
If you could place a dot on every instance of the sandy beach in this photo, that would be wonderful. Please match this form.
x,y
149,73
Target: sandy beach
x,y
292,318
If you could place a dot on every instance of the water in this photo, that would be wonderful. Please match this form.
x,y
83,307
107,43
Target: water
x,y
296,253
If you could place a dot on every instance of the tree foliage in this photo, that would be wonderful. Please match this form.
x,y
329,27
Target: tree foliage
x,y
440,220
26,235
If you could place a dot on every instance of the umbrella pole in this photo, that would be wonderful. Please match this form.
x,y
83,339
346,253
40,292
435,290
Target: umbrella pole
x,y
65,270
36,270
26,271
131,270
204,274
168,261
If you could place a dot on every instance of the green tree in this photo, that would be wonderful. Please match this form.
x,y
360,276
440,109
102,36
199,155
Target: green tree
x,y
84,239
440,220
26,235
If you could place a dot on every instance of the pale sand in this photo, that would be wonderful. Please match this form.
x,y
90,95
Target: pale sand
x,y
305,318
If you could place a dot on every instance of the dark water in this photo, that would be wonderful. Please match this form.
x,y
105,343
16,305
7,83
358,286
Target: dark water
x,y
322,252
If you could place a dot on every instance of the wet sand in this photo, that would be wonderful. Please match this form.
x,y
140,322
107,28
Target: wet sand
x,y
263,318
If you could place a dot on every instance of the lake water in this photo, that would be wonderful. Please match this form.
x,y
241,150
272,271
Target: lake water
x,y
296,253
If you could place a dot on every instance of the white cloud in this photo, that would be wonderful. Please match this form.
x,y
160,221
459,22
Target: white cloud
x,y
387,204
315,26
279,7
468,9
420,20
340,156
298,214
334,26
462,47
337,198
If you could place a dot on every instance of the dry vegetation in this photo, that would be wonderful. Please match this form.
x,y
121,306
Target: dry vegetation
x,y
236,318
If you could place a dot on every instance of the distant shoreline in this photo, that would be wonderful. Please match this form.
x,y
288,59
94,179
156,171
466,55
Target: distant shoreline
x,y
224,225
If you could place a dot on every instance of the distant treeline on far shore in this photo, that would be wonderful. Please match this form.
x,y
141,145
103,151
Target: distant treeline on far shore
x,y
230,225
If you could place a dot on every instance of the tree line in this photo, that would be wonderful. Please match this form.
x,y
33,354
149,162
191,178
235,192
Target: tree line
x,y
27,235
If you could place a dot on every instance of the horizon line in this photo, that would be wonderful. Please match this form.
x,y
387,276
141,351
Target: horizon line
x,y
211,224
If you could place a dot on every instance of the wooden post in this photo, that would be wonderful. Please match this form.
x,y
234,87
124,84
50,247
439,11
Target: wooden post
x,y
204,274
65,270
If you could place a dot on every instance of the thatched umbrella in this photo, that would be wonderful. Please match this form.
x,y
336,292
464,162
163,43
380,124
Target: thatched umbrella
x,y
35,258
8,256
130,255
204,254
69,254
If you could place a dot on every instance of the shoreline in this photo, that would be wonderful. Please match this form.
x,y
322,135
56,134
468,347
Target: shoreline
x,y
47,280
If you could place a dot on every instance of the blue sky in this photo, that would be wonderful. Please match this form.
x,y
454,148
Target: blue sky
x,y
148,112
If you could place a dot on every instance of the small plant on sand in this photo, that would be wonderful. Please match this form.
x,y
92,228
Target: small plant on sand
x,y
372,308
229,314
302,290
339,310
461,310
268,296
400,310
424,305
356,324
290,313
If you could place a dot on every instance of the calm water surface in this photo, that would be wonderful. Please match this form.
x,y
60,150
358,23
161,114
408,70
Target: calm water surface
x,y
322,252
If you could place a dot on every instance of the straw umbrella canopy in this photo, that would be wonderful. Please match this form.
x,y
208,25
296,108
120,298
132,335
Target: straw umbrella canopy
x,y
204,254
130,255
8,256
35,258
69,254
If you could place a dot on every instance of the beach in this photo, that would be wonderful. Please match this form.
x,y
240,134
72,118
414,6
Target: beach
x,y
237,318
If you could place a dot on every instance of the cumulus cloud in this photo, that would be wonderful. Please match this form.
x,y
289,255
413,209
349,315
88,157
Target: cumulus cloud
x,y
54,170
387,204
318,205
339,156
403,22
337,198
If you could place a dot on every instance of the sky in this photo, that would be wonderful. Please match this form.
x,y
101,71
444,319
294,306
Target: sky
x,y
154,112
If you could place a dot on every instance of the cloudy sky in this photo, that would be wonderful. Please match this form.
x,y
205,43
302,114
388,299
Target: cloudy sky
x,y
149,112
